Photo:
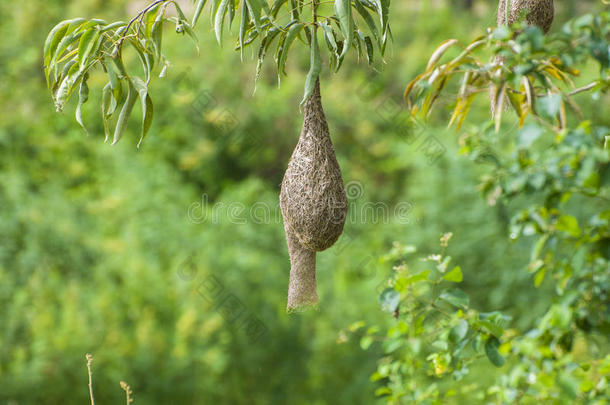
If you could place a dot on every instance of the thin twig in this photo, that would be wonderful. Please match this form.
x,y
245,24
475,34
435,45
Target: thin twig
x,y
89,361
139,15
583,89
128,392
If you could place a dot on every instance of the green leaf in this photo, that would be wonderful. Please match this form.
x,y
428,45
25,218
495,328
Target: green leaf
x,y
459,331
314,68
53,39
416,278
275,8
538,246
369,49
115,82
568,224
383,9
147,107
569,385
83,96
107,108
254,7
121,124
343,10
56,35
548,106
219,19
493,322
181,15
539,278
157,35
455,275
71,76
262,51
114,25
329,36
383,391
366,342
370,22
189,31
149,20
389,299
198,9
455,297
290,37
491,350
243,25
85,45
141,52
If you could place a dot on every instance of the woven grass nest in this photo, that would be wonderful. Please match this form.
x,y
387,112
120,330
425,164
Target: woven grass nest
x,y
313,203
537,12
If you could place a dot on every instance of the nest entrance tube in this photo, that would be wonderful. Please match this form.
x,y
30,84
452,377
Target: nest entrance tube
x,y
313,203
302,291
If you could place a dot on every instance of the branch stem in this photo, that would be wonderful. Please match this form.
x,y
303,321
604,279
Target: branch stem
x,y
583,89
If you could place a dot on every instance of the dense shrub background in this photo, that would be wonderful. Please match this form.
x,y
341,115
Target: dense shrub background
x,y
95,240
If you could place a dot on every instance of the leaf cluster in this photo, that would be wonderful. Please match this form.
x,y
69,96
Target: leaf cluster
x,y
532,72
74,48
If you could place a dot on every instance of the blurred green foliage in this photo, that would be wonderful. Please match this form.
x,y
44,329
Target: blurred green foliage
x,y
110,250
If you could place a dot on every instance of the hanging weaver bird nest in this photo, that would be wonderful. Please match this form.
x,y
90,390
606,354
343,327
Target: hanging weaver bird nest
x,y
313,202
536,12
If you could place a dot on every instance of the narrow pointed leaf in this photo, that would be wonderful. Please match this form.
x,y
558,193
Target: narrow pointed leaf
x,y
198,10
290,37
147,107
343,10
219,19
315,67
83,96
121,124
254,8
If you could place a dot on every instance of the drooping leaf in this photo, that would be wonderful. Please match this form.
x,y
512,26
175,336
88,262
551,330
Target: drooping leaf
x,y
147,107
55,36
83,96
459,331
343,9
219,19
255,8
314,68
370,22
439,52
243,25
369,49
121,124
262,50
198,9
493,354
455,297
293,32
